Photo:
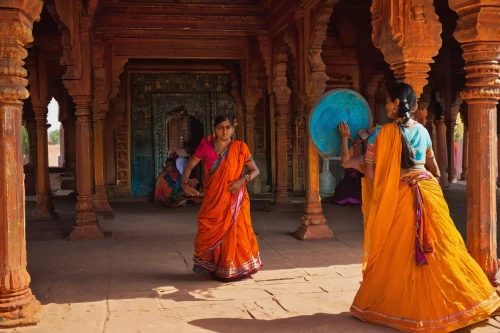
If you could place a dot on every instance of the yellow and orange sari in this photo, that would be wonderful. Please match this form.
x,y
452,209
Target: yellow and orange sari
x,y
226,245
418,275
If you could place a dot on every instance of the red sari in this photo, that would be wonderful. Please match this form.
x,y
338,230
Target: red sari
x,y
226,245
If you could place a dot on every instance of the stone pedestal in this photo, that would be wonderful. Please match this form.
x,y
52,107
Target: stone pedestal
x,y
87,227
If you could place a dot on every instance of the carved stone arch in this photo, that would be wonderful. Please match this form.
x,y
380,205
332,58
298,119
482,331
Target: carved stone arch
x,y
181,112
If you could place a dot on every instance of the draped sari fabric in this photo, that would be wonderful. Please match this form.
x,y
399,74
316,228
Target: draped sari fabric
x,y
226,245
418,275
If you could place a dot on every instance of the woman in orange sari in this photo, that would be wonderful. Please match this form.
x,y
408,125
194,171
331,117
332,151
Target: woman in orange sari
x,y
419,276
225,246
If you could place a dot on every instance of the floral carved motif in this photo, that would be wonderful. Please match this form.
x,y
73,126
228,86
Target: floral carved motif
x,y
409,35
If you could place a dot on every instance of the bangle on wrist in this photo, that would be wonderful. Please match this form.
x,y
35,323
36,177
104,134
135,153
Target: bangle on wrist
x,y
185,182
247,178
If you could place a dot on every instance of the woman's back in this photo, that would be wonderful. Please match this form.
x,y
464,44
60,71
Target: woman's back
x,y
418,138
420,142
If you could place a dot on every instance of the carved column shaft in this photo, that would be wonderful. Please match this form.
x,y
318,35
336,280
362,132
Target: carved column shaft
x,y
281,108
70,142
17,304
422,113
250,130
86,221
240,123
451,124
465,142
101,203
45,207
31,129
477,31
442,158
313,210
429,123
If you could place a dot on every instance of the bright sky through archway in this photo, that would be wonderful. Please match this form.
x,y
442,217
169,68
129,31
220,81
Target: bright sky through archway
x,y
53,117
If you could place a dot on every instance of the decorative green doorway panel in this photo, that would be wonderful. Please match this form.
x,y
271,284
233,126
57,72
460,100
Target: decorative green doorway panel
x,y
156,98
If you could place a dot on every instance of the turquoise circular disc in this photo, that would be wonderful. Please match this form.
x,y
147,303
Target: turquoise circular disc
x,y
334,107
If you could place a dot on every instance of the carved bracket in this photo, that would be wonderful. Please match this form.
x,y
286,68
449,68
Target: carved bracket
x,y
316,80
408,33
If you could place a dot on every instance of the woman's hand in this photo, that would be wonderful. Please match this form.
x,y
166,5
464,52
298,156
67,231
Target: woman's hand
x,y
236,186
344,130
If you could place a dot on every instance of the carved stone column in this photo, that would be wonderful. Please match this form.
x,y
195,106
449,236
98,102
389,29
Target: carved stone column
x,y
251,101
429,122
451,123
465,142
477,30
422,113
442,158
44,206
313,222
240,116
70,141
281,110
101,203
87,227
17,304
408,33
31,129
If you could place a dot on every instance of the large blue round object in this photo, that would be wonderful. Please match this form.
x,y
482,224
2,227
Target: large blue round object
x,y
334,107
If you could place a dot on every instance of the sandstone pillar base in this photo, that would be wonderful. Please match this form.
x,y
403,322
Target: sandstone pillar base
x,y
103,208
19,309
42,215
314,231
86,232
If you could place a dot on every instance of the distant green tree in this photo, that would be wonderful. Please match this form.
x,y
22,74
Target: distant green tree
x,y
54,136
26,142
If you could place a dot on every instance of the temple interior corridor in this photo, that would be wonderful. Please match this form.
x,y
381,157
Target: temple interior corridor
x,y
139,279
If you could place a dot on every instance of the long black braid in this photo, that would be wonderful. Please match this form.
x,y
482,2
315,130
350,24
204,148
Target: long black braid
x,y
407,103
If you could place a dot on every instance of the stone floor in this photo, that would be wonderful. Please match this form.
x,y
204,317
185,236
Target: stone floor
x,y
139,279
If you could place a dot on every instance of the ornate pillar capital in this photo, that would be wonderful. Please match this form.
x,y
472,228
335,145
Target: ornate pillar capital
x,y
408,33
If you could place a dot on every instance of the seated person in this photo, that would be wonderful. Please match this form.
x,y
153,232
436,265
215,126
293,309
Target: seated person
x,y
169,190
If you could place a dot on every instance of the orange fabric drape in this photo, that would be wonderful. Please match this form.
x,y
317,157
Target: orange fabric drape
x,y
226,244
163,189
449,292
366,196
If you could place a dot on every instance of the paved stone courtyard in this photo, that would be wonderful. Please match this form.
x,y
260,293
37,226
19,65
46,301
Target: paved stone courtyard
x,y
139,280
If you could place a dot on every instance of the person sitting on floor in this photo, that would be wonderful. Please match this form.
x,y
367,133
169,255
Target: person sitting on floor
x,y
169,190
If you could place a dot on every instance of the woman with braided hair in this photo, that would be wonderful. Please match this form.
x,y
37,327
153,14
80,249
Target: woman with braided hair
x,y
419,276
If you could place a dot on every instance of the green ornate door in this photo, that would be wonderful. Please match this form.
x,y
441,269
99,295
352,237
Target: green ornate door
x,y
155,98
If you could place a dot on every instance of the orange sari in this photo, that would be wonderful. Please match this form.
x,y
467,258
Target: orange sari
x,y
419,276
226,245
